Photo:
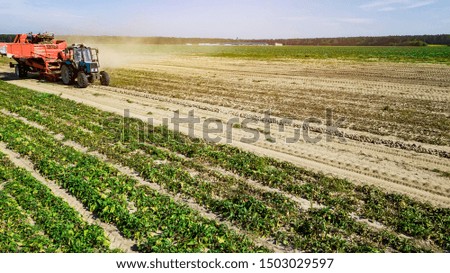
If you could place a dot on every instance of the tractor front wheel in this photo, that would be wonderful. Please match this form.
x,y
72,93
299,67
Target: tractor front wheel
x,y
67,74
104,78
82,80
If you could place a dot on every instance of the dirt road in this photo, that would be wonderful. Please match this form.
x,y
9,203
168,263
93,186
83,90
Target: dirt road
x,y
409,167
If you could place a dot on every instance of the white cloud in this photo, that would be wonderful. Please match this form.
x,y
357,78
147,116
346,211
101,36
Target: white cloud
x,y
330,20
382,4
387,9
355,20
391,5
420,4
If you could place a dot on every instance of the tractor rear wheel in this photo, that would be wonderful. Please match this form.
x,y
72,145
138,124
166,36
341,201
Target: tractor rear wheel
x,y
82,80
104,78
67,74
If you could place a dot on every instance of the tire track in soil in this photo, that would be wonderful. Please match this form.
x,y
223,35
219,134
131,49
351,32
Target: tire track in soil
x,y
436,74
230,83
368,87
218,111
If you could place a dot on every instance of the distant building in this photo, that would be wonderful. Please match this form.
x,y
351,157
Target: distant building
x,y
278,44
208,44
247,44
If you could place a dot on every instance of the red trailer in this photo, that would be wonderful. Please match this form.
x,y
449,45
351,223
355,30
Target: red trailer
x,y
42,53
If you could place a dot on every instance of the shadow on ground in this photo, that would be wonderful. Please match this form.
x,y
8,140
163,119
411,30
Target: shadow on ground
x,y
5,76
11,76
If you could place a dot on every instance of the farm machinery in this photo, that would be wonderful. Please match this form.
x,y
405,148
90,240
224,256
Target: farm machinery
x,y
54,59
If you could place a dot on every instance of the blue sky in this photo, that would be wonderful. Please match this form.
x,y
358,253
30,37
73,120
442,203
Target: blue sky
x,y
229,18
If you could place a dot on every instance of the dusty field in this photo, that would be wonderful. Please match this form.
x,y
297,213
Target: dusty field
x,y
397,129
405,100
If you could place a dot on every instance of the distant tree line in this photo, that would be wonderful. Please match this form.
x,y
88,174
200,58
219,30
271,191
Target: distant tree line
x,y
7,38
416,40
412,40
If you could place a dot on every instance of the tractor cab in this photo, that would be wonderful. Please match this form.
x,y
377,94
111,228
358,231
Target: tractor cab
x,y
81,64
84,58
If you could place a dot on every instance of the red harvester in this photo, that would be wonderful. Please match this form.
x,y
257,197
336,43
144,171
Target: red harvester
x,y
54,60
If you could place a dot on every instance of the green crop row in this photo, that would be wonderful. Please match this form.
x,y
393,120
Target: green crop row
x,y
313,186
158,224
439,54
56,218
16,233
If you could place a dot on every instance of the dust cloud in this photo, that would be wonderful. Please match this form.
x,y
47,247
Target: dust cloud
x,y
121,52
129,52
119,55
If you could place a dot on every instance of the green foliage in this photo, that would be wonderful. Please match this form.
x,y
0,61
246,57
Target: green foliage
x,y
107,194
17,234
61,223
354,53
404,54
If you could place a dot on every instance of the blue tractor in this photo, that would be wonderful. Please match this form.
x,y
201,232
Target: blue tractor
x,y
81,65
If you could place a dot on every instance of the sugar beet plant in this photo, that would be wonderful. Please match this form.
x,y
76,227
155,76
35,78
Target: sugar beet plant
x,y
34,220
225,191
